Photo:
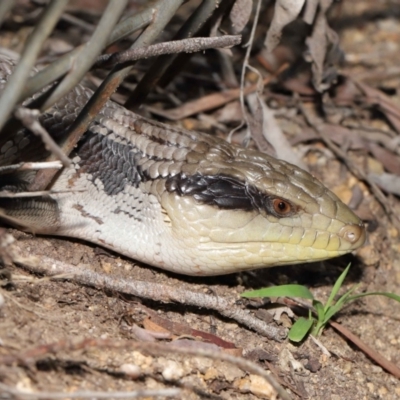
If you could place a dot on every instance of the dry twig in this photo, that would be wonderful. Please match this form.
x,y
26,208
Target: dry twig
x,y
155,349
191,45
29,119
147,290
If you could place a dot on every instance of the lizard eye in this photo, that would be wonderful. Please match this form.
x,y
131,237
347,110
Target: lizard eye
x,y
282,207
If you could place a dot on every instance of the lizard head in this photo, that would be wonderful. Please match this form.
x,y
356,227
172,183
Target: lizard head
x,y
256,212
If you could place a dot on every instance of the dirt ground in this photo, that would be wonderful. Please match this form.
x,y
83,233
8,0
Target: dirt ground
x,y
93,329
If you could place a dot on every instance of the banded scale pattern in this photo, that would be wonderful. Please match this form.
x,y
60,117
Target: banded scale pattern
x,y
176,199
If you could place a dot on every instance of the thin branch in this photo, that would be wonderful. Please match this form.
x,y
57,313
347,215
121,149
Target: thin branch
x,y
87,394
154,349
161,65
29,119
5,7
164,12
148,290
62,65
89,52
177,46
30,166
17,81
377,357
246,63
12,195
205,103
243,73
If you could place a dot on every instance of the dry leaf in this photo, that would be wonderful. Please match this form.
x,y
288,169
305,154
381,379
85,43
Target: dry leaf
x,y
264,125
388,159
240,14
324,50
390,183
286,11
310,11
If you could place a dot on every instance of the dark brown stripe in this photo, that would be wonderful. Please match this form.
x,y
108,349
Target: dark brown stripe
x,y
224,192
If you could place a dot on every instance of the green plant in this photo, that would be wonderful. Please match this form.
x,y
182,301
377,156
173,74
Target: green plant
x,y
316,322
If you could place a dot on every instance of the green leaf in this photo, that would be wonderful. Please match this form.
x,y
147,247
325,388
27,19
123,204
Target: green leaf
x,y
341,302
320,310
281,291
346,297
320,324
300,329
390,295
336,287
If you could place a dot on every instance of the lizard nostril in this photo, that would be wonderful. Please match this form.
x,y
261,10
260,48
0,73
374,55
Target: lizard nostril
x,y
354,234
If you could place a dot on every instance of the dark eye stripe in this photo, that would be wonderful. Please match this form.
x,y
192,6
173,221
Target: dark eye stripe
x,y
228,193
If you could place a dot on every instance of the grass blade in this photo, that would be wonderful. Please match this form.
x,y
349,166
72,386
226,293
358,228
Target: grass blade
x,y
336,288
281,291
390,295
